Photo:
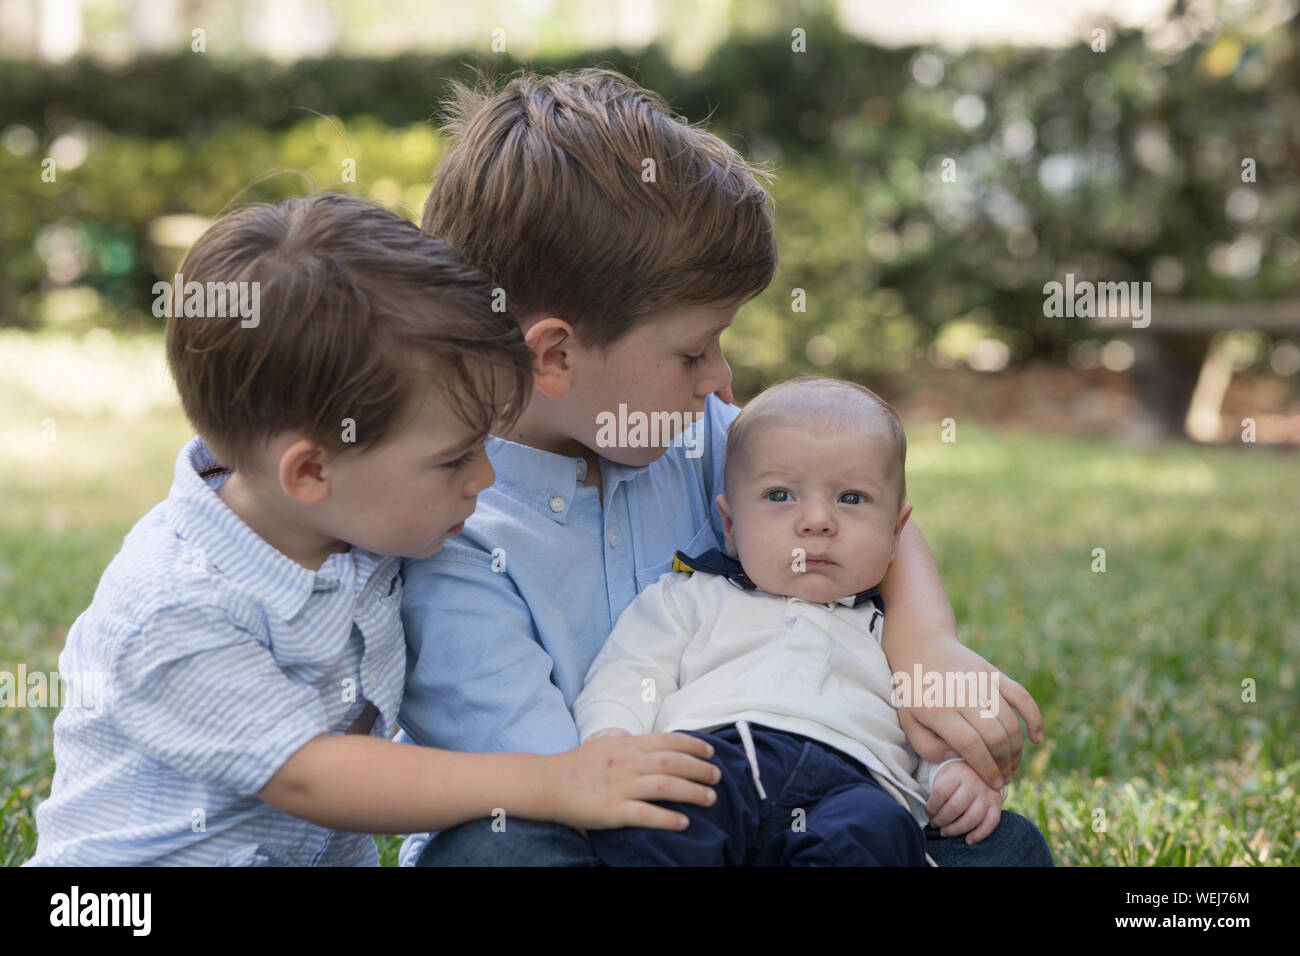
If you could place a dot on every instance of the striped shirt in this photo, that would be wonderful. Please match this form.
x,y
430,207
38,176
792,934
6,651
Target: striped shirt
x,y
217,658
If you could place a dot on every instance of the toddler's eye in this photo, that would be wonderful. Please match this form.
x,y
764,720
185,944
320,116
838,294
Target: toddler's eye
x,y
463,460
785,495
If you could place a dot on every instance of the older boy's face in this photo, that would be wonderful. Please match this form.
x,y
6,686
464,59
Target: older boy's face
x,y
815,515
669,363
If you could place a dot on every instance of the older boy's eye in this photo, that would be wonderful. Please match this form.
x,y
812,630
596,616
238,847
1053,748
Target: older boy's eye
x,y
694,360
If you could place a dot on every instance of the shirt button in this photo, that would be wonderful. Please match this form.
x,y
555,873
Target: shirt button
x,y
612,540
557,503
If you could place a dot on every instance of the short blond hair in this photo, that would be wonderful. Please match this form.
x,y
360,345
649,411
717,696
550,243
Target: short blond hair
x,y
583,195
843,406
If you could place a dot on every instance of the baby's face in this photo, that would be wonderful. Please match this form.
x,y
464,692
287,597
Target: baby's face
x,y
815,515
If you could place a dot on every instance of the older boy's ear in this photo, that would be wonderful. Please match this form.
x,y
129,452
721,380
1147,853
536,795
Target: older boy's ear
x,y
550,339
302,473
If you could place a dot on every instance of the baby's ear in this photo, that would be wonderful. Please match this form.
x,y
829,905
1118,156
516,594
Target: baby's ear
x,y
724,509
903,514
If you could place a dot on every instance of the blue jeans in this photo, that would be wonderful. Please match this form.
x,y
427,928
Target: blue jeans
x,y
1015,842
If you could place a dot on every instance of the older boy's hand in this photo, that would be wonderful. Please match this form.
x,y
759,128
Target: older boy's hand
x,y
960,802
609,782
992,745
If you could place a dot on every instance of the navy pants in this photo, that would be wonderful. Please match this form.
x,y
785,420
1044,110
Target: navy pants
x,y
823,808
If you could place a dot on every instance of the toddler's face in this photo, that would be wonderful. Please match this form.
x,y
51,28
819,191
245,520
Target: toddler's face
x,y
409,494
815,515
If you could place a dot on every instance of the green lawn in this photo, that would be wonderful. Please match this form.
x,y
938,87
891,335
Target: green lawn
x,y
1152,756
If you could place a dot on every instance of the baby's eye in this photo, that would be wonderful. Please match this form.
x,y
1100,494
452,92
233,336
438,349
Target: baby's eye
x,y
781,492
857,497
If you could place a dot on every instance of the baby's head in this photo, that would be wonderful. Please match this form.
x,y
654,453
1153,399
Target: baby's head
x,y
816,495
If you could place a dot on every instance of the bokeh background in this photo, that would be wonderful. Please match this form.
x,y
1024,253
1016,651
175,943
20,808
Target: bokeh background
x,y
1114,510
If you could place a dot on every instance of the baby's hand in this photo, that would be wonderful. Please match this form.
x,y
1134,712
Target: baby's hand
x,y
960,802
610,783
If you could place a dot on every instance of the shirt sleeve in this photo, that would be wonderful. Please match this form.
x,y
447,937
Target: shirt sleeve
x,y
478,678
639,665
926,772
206,698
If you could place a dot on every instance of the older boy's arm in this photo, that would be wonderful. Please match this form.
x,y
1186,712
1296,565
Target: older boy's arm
x,y
920,630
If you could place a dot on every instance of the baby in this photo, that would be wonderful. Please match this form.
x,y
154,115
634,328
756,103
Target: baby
x,y
776,658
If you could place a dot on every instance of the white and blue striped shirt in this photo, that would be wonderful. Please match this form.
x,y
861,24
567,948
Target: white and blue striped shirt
x,y
216,658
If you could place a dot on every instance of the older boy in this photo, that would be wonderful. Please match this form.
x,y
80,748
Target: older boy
x,y
625,281
783,633
247,635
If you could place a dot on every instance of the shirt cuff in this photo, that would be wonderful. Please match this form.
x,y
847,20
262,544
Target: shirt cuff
x,y
600,714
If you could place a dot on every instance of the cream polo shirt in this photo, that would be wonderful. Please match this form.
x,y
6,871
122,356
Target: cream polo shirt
x,y
697,652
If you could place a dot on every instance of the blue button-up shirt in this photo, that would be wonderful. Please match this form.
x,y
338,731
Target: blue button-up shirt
x,y
205,660
504,622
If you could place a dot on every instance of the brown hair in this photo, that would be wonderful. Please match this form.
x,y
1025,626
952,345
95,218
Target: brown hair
x,y
359,315
546,189
842,406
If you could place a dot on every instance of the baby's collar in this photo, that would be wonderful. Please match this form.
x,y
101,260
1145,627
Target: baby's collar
x,y
715,561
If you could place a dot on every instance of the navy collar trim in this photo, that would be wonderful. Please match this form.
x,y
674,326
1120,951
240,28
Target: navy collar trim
x,y
715,561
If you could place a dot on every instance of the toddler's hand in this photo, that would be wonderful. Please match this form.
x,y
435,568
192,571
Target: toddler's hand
x,y
960,802
608,783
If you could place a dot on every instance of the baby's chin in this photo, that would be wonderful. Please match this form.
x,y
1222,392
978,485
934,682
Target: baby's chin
x,y
816,587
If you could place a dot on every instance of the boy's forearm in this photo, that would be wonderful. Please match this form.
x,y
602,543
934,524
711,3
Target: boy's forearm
x,y
917,609
368,785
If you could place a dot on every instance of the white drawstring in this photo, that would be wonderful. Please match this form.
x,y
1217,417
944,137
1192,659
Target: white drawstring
x,y
748,742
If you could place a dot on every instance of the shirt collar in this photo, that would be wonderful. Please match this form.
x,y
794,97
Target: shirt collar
x,y
716,561
225,542
547,481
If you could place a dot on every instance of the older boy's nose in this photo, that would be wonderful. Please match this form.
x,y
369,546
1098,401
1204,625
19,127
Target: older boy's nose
x,y
718,378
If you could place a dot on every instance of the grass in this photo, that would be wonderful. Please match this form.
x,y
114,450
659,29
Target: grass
x,y
1152,755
